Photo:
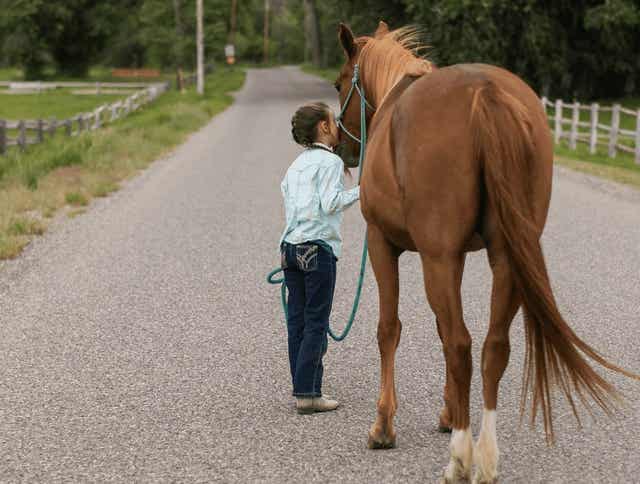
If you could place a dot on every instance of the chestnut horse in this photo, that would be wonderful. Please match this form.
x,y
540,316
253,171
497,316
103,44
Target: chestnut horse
x,y
460,159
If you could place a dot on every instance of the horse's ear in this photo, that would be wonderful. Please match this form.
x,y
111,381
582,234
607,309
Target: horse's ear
x,y
347,40
382,30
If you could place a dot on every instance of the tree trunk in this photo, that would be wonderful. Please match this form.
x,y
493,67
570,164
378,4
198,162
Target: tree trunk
x,y
200,46
232,28
312,33
179,46
267,7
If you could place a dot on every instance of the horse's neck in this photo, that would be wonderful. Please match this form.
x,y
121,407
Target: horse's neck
x,y
387,92
378,90
391,98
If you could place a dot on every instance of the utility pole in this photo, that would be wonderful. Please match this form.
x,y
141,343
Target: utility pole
x,y
200,46
266,31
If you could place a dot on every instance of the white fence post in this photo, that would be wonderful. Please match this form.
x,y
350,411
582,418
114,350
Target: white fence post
x,y
573,137
593,136
544,104
638,137
558,121
615,126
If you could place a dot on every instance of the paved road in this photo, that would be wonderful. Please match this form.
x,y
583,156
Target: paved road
x,y
139,342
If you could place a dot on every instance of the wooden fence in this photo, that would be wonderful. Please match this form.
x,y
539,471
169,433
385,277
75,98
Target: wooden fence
x,y
595,131
135,73
42,86
35,131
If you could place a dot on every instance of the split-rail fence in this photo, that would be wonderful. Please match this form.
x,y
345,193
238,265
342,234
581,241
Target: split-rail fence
x,y
28,132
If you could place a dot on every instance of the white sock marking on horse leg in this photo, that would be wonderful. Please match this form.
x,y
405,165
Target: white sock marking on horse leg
x,y
485,455
461,448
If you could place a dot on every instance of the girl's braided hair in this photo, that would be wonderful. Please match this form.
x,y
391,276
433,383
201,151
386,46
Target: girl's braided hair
x,y
305,121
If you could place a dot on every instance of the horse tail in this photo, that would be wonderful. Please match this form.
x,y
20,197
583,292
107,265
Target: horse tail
x,y
554,353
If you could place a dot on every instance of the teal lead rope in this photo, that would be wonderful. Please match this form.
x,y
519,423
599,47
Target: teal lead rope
x,y
363,261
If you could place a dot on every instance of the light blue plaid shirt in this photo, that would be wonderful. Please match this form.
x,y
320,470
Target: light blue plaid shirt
x,y
314,198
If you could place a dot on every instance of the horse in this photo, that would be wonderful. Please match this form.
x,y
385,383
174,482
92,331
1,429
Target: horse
x,y
460,159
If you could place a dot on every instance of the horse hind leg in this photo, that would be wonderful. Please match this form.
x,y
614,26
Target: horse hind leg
x,y
384,260
443,277
495,357
444,421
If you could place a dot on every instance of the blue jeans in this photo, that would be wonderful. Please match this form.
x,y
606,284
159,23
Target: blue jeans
x,y
310,276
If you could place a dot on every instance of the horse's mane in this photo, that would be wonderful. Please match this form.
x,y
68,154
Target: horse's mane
x,y
387,57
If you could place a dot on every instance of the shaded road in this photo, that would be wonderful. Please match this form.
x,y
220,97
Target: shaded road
x,y
139,342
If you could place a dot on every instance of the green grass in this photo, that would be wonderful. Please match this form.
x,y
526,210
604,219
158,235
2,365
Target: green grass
x,y
622,161
60,104
76,198
36,183
611,172
622,168
25,226
328,73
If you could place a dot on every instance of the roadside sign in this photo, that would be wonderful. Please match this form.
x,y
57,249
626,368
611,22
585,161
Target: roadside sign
x,y
229,50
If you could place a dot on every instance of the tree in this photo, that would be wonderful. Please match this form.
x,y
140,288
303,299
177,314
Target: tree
x,y
67,34
313,45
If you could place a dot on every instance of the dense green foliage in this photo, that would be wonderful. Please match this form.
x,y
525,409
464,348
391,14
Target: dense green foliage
x,y
581,48
571,48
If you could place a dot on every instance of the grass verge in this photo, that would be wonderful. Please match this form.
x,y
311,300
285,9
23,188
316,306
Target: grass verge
x,y
328,73
35,184
610,172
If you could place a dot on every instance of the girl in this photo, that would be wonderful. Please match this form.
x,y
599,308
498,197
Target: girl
x,y
314,198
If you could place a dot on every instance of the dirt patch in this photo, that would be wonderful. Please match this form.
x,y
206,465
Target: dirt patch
x,y
68,174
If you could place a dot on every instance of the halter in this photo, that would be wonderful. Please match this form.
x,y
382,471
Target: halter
x,y
364,104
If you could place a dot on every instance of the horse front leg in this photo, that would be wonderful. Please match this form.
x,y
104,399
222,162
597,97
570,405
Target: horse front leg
x,y
384,260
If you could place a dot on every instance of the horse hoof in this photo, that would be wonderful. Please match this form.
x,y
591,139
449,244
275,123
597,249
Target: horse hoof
x,y
455,473
462,480
446,480
478,478
381,442
444,424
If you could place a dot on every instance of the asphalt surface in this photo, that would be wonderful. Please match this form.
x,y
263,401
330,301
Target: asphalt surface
x,y
140,342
